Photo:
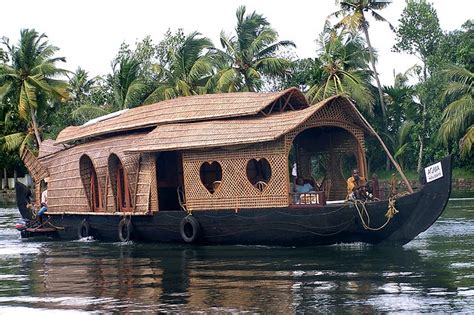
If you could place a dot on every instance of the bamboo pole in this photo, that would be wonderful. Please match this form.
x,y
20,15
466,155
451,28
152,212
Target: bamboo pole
x,y
399,169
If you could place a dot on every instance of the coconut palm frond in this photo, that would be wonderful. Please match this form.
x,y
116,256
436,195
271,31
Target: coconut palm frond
x,y
87,112
4,89
227,78
162,92
455,89
13,141
380,18
254,47
466,142
134,94
456,118
272,65
200,67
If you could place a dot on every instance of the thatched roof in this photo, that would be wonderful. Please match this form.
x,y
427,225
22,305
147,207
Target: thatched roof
x,y
245,130
186,109
48,147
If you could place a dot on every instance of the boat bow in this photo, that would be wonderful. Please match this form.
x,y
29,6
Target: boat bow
x,y
432,202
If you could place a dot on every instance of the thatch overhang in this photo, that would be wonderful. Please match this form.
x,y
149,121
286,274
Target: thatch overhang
x,y
189,109
245,130
48,147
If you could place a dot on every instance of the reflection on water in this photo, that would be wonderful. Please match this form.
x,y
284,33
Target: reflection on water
x,y
433,273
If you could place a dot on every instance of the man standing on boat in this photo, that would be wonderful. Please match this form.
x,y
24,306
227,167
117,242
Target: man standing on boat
x,y
356,186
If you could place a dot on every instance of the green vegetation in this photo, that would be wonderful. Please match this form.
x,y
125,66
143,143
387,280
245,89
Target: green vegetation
x,y
425,114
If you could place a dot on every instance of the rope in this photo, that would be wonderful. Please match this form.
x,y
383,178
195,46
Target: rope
x,y
391,211
54,226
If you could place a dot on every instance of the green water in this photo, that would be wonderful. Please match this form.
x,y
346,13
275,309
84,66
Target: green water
x,y
432,274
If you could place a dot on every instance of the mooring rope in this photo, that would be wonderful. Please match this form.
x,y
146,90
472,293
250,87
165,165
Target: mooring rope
x,y
391,212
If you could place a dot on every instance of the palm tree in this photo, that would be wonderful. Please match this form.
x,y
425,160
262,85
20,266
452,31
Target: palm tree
x,y
354,19
188,71
400,141
81,90
458,117
80,84
127,86
344,70
251,53
29,81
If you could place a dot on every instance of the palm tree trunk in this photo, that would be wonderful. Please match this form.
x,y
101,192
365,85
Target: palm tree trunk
x,y
421,137
376,75
379,86
5,178
35,126
420,154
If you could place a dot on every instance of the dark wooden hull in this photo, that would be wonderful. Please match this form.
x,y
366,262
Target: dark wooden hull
x,y
292,226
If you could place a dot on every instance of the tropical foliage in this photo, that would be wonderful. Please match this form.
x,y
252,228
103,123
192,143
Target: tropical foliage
x,y
343,62
29,82
187,70
458,117
430,100
354,19
250,54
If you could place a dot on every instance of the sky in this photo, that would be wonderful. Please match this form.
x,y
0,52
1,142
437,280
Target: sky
x,y
89,32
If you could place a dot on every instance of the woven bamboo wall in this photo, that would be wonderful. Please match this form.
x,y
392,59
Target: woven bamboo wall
x,y
236,191
146,199
65,188
37,171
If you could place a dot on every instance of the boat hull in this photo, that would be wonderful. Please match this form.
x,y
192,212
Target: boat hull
x,y
291,226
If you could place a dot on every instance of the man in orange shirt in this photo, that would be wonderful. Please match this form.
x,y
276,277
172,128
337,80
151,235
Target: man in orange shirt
x,y
356,186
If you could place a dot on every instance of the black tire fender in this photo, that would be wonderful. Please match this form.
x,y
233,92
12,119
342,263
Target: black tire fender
x,y
125,230
84,229
190,229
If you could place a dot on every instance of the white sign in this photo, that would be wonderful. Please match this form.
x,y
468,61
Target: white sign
x,y
433,172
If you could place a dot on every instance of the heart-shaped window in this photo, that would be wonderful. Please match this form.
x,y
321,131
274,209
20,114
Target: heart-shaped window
x,y
259,173
211,175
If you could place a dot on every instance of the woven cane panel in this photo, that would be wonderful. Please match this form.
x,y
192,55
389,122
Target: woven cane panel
x,y
37,194
36,170
235,190
144,183
131,164
66,191
154,201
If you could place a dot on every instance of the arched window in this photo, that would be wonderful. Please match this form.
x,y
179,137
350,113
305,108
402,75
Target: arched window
x,y
96,192
120,184
211,175
259,173
91,184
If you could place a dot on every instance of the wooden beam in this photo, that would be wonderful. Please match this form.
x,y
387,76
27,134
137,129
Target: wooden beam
x,y
271,108
287,101
399,169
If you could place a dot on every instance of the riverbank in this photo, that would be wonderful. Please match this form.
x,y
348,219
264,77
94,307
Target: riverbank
x,y
7,197
460,186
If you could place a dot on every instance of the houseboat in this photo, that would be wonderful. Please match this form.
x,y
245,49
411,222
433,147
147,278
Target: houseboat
x,y
219,169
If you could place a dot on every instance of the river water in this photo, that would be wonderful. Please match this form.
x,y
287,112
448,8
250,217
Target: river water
x,y
432,274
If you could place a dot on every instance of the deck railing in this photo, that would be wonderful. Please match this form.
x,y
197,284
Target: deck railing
x,y
308,198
